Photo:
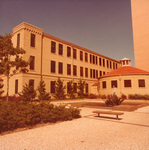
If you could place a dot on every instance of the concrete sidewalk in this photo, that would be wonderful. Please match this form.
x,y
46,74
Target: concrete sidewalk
x,y
87,133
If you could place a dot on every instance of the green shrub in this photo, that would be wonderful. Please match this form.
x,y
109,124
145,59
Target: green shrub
x,y
21,114
113,100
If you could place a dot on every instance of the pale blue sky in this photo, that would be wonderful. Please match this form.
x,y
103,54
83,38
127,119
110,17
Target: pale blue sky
x,y
103,26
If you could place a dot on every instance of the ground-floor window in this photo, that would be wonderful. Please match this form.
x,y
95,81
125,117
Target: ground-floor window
x,y
52,86
141,83
16,86
104,84
127,83
86,88
114,84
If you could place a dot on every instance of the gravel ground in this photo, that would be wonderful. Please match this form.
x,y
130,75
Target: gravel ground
x,y
131,132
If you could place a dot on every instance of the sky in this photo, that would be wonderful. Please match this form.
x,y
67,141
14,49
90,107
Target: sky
x,y
103,26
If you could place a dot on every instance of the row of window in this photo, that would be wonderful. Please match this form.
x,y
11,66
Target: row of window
x,y
127,83
52,85
83,71
83,56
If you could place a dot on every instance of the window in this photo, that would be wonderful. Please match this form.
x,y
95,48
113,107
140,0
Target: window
x,y
52,86
86,72
16,86
86,57
110,65
107,64
96,60
93,59
53,47
18,40
91,74
90,58
113,65
32,40
60,49
75,87
116,65
74,53
86,88
74,70
53,66
32,62
100,73
68,69
81,71
68,52
81,55
127,83
114,83
141,82
103,72
99,61
94,73
103,62
31,83
103,84
60,68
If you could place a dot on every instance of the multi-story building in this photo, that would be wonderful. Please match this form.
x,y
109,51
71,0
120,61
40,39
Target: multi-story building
x,y
140,22
51,57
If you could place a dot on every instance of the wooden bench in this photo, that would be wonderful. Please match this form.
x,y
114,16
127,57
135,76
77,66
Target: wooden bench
x,y
109,112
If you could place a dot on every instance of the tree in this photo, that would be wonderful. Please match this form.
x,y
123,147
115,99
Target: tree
x,y
59,89
43,95
11,60
81,87
1,91
71,89
28,93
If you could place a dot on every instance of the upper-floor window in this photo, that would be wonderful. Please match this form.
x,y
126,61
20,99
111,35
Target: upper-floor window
x,y
110,65
90,58
94,75
81,55
60,49
18,40
103,62
100,73
93,59
107,64
113,65
68,69
86,57
68,52
60,68
74,53
86,72
91,73
53,47
96,60
127,83
32,40
74,70
116,65
141,83
99,61
81,71
53,66
32,62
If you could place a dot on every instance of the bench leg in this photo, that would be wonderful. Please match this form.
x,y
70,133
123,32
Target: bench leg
x,y
98,115
116,116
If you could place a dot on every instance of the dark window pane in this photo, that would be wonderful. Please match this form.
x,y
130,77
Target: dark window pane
x,y
18,40
53,47
99,61
104,84
86,57
114,83
60,66
68,69
52,66
81,55
81,71
74,70
91,74
60,49
32,40
86,72
141,82
94,73
103,62
107,64
16,86
31,83
68,51
100,73
52,86
90,58
32,62
127,83
74,53
86,88
93,59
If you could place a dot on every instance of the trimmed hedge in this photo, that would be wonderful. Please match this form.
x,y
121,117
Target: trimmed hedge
x,y
139,96
15,115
